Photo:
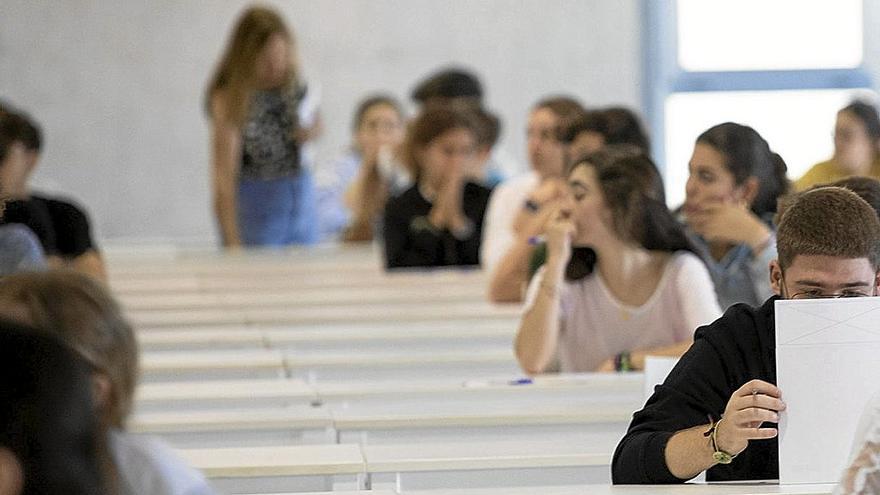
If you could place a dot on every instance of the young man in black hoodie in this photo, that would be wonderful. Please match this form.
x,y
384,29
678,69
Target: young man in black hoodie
x,y
717,411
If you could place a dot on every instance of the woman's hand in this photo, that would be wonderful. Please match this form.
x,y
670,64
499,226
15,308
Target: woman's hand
x,y
558,233
753,404
732,223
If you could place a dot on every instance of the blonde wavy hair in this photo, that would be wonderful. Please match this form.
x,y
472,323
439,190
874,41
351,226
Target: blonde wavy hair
x,y
235,74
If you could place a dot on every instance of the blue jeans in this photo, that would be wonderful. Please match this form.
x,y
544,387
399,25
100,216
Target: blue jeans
x,y
277,212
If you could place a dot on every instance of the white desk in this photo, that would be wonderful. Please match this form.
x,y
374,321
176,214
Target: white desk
x,y
244,427
295,297
606,489
198,365
219,394
423,466
323,314
278,469
366,366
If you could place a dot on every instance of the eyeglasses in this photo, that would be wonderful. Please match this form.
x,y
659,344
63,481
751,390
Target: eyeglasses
x,y
818,294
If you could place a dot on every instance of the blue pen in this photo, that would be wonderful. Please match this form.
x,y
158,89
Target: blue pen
x,y
521,381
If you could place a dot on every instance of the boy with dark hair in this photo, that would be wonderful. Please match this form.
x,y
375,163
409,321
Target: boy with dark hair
x,y
62,227
716,412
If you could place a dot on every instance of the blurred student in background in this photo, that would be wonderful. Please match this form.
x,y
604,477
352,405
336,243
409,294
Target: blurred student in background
x,y
597,128
522,206
80,312
50,442
353,190
438,220
732,190
263,194
856,147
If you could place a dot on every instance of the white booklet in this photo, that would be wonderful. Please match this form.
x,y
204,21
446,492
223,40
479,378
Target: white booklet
x,y
828,368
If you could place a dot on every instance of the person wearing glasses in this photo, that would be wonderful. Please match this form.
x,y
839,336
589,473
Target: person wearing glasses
x,y
717,410
856,148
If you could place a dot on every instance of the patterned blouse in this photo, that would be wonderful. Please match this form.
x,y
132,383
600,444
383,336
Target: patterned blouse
x,y
269,150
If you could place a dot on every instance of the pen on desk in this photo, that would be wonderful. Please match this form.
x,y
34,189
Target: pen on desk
x,y
521,381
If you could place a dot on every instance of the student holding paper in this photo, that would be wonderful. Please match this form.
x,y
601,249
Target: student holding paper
x,y
716,412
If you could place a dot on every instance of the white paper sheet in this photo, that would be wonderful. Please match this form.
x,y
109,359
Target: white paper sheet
x,y
828,367
657,368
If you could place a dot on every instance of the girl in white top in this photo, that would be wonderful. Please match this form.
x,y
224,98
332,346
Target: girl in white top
x,y
632,287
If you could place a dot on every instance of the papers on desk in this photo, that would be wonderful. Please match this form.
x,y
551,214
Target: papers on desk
x,y
828,367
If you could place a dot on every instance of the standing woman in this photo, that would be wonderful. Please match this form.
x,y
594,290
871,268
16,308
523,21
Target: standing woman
x,y
639,291
438,221
263,196
730,199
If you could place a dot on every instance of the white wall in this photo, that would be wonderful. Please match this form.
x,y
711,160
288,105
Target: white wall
x,y
118,85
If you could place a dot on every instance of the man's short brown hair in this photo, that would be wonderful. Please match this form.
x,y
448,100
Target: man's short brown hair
x,y
828,221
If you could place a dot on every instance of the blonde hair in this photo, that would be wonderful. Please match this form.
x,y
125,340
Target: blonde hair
x,y
235,74
82,313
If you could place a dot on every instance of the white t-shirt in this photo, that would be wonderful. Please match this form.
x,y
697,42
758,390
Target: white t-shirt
x,y
594,326
506,201
147,466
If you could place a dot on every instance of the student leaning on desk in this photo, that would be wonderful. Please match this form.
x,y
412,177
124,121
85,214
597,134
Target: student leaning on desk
x,y
717,411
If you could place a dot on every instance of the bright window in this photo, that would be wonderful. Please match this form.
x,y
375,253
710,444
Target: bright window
x,y
797,124
724,35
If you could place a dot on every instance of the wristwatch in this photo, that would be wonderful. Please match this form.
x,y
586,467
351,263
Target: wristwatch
x,y
719,456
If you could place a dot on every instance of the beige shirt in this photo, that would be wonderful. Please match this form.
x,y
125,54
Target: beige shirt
x,y
595,326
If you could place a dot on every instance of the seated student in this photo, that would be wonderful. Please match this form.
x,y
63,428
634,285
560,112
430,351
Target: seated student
x,y
716,410
437,221
731,194
856,147
521,206
20,249
50,441
61,226
639,291
77,309
862,475
597,128
461,88
353,191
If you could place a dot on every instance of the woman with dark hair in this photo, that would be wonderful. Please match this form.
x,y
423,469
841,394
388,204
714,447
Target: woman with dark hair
x,y
734,184
438,221
856,147
639,291
49,440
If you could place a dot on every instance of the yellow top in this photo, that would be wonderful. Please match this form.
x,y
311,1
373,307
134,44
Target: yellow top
x,y
828,171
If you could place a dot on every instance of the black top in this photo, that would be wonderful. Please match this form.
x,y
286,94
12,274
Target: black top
x,y
410,240
269,149
62,227
738,347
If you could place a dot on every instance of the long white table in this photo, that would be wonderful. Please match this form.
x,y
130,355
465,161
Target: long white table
x,y
323,314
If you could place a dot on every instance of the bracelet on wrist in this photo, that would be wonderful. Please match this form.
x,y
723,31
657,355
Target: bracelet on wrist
x,y
718,455
623,362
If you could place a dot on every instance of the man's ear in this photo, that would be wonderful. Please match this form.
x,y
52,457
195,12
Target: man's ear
x,y
776,277
11,473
